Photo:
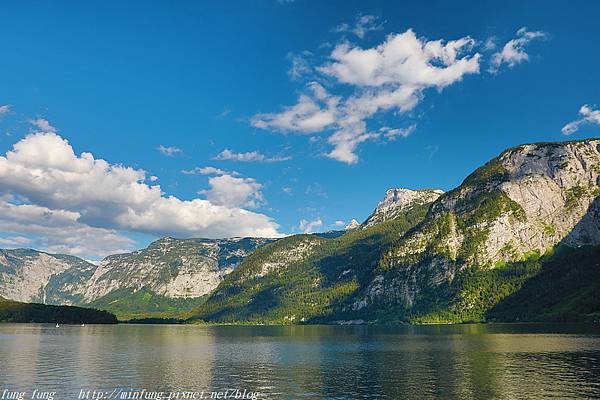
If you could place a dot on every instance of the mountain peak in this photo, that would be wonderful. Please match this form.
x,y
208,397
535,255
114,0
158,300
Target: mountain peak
x,y
397,200
352,225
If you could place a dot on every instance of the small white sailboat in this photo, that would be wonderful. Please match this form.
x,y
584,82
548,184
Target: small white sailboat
x,y
57,325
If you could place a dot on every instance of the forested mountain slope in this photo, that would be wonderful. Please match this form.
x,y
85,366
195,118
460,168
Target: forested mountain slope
x,y
460,258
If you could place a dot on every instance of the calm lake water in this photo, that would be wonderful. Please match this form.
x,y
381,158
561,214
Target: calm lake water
x,y
301,362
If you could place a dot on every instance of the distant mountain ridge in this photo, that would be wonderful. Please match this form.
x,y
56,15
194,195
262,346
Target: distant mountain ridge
x,y
28,275
167,269
518,239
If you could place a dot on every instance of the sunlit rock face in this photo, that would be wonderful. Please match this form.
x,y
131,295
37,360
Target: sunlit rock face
x,y
398,200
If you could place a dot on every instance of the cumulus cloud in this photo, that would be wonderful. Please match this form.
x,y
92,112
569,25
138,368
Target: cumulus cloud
x,y
588,116
404,60
169,151
57,231
306,226
362,25
251,156
313,113
392,76
232,191
43,171
513,52
5,109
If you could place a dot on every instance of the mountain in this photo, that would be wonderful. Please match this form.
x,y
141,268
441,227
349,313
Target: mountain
x,y
352,225
481,241
14,311
518,240
396,200
302,277
167,277
509,231
33,276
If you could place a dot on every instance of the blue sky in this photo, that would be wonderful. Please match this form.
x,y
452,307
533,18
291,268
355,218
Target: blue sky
x,y
318,116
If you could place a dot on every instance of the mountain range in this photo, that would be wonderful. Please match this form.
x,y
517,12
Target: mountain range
x,y
519,239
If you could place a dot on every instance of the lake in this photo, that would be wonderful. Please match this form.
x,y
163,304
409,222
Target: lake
x,y
299,362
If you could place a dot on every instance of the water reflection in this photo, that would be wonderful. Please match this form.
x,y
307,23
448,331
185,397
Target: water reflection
x,y
312,362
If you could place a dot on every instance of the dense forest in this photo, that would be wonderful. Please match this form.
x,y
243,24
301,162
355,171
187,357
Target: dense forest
x,y
14,311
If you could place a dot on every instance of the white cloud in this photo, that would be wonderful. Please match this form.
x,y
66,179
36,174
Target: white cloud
x,y
5,109
310,226
394,133
286,190
57,231
404,60
588,116
42,125
315,189
251,156
339,223
224,113
208,171
43,170
362,25
390,77
490,43
513,52
300,64
230,191
15,241
432,150
313,113
169,151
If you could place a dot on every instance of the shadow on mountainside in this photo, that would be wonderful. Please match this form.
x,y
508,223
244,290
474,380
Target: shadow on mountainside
x,y
567,287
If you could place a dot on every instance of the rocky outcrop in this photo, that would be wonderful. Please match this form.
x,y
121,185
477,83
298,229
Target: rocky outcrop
x,y
399,200
353,224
